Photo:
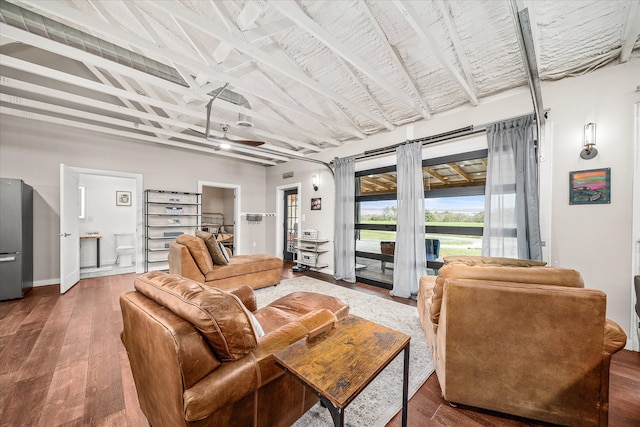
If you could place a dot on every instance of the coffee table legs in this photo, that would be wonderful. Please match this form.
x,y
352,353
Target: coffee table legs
x,y
405,387
337,414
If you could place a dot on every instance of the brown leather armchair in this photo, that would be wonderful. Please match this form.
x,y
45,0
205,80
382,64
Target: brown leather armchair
x,y
204,357
516,337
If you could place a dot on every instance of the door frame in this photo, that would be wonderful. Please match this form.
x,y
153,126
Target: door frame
x,y
237,224
139,204
634,339
279,231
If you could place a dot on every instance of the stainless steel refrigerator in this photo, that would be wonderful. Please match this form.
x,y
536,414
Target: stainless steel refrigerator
x,y
16,238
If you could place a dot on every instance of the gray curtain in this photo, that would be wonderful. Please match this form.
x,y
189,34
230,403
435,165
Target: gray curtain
x,y
410,260
344,223
511,216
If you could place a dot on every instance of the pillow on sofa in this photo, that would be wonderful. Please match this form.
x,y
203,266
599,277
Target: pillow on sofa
x,y
224,253
198,250
212,246
534,274
220,316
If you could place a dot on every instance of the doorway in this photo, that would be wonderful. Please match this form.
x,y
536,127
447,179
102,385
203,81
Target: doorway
x,y
281,236
221,212
290,224
97,212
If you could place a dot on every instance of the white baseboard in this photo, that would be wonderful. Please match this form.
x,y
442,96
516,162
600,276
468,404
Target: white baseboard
x,y
47,282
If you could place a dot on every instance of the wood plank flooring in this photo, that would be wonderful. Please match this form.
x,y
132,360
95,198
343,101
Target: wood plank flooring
x,y
62,364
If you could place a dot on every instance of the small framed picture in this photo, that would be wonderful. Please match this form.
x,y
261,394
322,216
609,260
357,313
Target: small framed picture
x,y
316,204
590,187
123,198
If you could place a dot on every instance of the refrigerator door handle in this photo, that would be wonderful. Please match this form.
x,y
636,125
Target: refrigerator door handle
x,y
8,259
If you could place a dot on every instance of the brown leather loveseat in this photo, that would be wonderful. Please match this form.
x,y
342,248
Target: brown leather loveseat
x,y
191,257
204,357
520,338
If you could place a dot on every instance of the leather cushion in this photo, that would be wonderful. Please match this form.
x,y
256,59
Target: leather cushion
x,y
219,316
474,260
198,250
534,274
212,245
241,265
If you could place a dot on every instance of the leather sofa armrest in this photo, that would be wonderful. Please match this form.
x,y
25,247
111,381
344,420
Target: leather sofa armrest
x,y
317,318
614,337
426,287
226,385
182,263
246,295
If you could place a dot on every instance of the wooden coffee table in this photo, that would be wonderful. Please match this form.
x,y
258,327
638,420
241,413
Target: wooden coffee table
x,y
340,363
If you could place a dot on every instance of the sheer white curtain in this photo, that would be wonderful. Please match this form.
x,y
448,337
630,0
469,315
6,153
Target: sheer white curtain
x,y
344,223
511,216
410,260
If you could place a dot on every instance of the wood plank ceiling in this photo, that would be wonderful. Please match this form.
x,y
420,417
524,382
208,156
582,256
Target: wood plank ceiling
x,y
299,76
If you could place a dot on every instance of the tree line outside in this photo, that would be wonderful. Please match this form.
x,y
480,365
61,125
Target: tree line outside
x,y
389,214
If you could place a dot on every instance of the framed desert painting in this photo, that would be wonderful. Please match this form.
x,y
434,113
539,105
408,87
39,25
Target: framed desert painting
x,y
590,187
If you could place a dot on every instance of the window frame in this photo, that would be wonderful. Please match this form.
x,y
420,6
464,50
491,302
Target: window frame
x,y
435,193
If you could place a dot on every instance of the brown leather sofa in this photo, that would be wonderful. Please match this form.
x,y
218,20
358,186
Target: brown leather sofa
x,y
520,338
198,357
189,257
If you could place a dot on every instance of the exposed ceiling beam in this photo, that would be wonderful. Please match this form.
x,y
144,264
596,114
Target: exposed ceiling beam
x,y
94,103
631,31
457,44
425,35
264,31
200,22
435,175
393,54
291,10
91,85
124,134
460,172
133,126
161,53
148,29
116,69
223,50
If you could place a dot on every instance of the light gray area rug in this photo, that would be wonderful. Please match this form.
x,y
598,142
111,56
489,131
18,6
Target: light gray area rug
x,y
382,399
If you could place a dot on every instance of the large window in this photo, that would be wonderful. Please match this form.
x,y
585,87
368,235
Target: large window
x,y
454,214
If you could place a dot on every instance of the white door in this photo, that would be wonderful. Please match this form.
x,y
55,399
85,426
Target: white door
x,y
69,228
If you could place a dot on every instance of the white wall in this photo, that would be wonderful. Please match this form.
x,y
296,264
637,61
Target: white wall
x,y
33,152
594,239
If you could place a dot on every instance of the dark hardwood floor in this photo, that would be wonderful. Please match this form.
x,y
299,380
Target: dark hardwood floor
x,y
62,363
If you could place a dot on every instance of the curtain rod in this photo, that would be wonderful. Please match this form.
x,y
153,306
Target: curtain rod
x,y
444,136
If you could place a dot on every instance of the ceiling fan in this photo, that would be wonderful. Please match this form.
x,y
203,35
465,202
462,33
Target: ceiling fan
x,y
225,127
244,120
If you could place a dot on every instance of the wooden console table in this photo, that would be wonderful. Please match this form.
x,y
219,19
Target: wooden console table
x,y
340,363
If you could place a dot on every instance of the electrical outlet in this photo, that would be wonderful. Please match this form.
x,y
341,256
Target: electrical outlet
x,y
254,244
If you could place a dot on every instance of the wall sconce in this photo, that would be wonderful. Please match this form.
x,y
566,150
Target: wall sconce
x,y
314,182
589,151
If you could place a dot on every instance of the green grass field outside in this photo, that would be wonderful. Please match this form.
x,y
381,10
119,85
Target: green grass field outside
x,y
449,244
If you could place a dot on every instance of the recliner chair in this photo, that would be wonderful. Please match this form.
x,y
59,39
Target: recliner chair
x,y
517,337
204,357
